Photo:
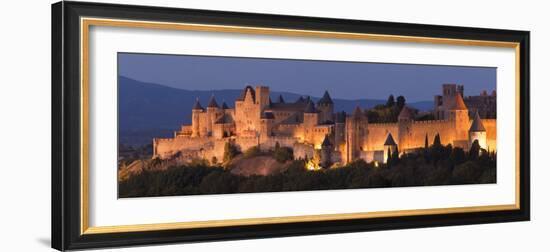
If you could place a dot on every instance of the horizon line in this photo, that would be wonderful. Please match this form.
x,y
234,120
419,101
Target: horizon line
x,y
245,85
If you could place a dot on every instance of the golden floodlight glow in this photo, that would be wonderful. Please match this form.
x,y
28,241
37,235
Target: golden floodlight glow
x,y
312,166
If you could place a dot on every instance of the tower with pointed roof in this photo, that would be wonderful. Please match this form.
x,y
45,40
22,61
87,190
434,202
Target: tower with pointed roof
x,y
224,105
477,132
195,118
212,113
356,133
339,129
311,119
457,114
389,146
325,105
313,129
326,152
247,113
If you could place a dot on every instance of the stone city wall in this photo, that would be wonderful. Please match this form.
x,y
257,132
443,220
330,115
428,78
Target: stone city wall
x,y
491,129
377,134
419,130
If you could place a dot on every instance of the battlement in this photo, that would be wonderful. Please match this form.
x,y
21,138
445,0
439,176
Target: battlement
x,y
431,121
290,125
212,127
382,124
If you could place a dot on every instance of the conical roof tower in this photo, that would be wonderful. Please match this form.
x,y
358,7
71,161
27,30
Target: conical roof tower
x,y
212,103
477,125
197,105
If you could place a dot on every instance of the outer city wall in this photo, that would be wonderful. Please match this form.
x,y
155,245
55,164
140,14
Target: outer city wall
x,y
208,147
204,147
419,130
491,131
377,134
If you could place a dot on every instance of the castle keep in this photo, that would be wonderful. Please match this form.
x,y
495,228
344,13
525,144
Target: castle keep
x,y
313,128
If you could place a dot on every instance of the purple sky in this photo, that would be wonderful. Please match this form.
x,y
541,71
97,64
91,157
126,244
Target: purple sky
x,y
346,80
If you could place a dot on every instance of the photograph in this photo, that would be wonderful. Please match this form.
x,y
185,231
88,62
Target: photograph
x,y
200,124
192,123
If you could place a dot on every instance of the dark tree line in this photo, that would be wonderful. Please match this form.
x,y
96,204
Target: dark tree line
x,y
429,166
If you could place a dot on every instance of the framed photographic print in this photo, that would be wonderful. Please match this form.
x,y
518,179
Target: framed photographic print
x,y
179,125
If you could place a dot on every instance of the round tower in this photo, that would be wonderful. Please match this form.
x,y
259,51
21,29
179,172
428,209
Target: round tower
x,y
477,132
353,133
339,130
211,113
326,153
195,118
326,108
458,114
390,147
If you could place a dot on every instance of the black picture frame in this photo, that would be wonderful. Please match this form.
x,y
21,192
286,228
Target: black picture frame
x,y
66,140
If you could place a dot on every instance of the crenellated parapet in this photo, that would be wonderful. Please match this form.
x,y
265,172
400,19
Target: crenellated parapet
x,y
304,125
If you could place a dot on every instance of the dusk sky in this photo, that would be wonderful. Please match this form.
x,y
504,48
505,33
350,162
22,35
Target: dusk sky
x,y
345,80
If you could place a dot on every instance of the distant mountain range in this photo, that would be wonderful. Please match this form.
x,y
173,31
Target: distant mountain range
x,y
149,110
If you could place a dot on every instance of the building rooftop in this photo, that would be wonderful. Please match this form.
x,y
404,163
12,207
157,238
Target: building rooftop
x,y
389,140
224,105
212,103
325,99
458,103
197,105
477,125
310,107
341,117
288,106
243,93
357,111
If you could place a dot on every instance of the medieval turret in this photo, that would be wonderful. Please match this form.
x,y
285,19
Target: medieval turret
x,y
197,105
477,132
310,108
339,129
224,105
212,103
457,113
195,118
390,147
355,133
212,113
326,108
326,153
311,119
